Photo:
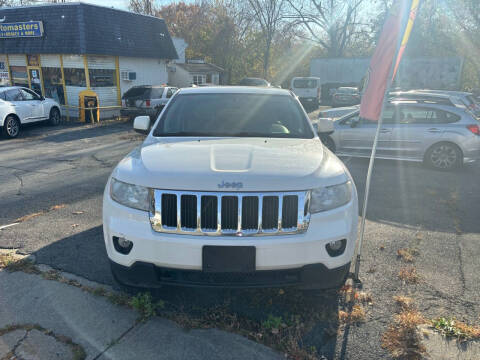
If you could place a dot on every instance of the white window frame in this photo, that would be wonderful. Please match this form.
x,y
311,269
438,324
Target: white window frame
x,y
197,77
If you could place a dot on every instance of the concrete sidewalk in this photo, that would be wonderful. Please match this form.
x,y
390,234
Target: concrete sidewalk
x,y
47,319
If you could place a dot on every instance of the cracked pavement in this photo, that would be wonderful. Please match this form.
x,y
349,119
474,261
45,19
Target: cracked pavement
x,y
411,206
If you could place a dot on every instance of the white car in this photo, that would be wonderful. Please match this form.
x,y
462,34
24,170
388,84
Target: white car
x,y
20,106
231,188
308,90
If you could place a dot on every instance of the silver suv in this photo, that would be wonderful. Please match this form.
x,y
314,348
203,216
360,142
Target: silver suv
x,y
146,100
443,136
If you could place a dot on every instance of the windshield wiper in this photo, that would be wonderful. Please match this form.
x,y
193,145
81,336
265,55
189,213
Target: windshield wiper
x,y
183,133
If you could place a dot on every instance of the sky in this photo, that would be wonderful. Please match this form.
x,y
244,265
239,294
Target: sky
x,y
118,4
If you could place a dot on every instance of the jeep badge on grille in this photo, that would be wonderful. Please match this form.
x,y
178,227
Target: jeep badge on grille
x,y
230,185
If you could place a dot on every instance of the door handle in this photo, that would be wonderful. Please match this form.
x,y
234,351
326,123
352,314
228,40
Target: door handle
x,y
433,130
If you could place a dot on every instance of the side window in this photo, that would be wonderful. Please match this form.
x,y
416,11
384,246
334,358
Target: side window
x,y
157,93
388,115
349,120
418,115
2,95
13,95
445,117
170,93
29,95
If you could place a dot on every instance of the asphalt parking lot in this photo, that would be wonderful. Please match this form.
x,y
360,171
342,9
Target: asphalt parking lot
x,y
57,175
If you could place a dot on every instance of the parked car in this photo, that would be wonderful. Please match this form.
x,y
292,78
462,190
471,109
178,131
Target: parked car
x,y
429,97
467,98
146,100
442,136
254,82
346,96
19,105
334,113
308,90
231,188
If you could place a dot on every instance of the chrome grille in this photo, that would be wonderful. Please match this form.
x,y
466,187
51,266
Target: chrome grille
x,y
222,213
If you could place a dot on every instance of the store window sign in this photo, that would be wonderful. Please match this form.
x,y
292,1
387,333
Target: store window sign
x,y
21,29
4,75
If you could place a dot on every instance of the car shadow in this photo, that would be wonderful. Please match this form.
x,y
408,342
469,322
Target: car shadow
x,y
69,131
310,319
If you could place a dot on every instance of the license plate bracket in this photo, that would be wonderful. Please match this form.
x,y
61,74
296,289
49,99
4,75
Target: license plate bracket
x,y
228,259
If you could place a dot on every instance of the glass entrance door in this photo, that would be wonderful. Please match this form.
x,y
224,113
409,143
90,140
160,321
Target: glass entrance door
x,y
35,78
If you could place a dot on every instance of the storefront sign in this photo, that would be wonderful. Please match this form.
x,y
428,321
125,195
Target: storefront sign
x,y
21,29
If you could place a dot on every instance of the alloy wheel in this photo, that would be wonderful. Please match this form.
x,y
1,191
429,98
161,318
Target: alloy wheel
x,y
444,156
12,127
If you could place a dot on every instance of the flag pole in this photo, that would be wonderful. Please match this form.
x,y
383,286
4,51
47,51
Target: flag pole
x,y
369,178
374,149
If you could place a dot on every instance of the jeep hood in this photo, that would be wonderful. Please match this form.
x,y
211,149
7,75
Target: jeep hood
x,y
231,164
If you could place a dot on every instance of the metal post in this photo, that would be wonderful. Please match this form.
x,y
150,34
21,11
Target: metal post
x,y
369,177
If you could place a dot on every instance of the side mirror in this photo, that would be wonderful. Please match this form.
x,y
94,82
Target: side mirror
x,y
141,124
354,124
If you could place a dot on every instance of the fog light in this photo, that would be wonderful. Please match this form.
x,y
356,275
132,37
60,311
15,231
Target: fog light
x,y
122,245
336,248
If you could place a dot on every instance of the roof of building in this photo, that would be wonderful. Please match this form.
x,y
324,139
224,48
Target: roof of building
x,y
235,90
200,67
78,28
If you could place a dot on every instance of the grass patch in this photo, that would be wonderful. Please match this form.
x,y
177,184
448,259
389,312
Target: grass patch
x,y
407,254
356,315
12,262
409,275
144,304
402,338
273,323
451,327
404,302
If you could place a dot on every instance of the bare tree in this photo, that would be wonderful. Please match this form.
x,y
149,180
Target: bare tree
x,y
330,23
268,14
145,7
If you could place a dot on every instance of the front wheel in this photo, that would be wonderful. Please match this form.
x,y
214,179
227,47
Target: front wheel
x,y
54,118
444,156
11,127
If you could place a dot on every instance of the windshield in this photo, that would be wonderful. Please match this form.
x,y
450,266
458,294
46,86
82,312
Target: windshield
x,y
243,115
346,91
138,93
304,83
253,82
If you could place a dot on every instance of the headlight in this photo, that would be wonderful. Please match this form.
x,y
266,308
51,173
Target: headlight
x,y
130,195
330,197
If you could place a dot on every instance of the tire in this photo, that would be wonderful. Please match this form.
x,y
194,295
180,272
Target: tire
x,y
444,156
55,117
328,142
11,127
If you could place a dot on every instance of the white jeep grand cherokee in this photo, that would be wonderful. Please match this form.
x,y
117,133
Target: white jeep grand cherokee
x,y
231,188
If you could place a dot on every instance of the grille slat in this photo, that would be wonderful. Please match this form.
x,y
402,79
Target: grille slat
x,y
204,213
289,211
270,212
229,213
189,211
209,212
169,210
250,213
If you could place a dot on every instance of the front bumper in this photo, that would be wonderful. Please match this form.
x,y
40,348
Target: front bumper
x,y
272,253
147,275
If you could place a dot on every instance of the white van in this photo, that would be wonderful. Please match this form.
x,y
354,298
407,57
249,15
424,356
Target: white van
x,y
308,90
